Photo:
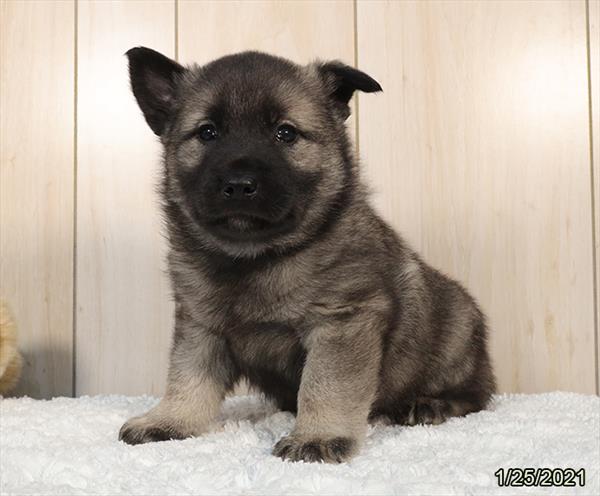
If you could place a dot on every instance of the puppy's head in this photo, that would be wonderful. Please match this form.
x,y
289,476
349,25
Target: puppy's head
x,y
256,151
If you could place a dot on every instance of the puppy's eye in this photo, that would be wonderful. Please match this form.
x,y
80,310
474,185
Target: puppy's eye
x,y
207,132
286,133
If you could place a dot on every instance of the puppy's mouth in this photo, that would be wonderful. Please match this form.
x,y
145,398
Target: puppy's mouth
x,y
248,227
244,223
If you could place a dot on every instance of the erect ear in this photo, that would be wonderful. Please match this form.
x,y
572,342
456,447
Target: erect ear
x,y
342,81
153,80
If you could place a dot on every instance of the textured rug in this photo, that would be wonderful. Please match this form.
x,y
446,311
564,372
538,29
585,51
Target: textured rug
x,y
70,446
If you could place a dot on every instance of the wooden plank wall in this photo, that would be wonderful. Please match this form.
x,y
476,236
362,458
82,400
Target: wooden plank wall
x,y
479,151
594,92
124,309
37,187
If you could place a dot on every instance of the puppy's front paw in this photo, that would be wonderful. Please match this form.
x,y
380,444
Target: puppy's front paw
x,y
315,449
145,429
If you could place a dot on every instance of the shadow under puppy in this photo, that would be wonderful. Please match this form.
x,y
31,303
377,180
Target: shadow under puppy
x,y
282,272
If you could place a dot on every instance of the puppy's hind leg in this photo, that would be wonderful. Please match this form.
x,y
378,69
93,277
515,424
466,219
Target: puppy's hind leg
x,y
433,410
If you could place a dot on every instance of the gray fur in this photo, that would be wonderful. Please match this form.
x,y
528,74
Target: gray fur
x,y
304,291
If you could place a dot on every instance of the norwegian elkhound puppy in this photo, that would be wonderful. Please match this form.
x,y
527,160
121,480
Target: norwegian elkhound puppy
x,y
282,272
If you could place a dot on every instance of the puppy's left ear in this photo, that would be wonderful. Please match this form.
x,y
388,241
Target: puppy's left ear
x,y
153,82
341,81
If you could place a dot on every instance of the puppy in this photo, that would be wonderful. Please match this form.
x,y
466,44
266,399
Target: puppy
x,y
283,274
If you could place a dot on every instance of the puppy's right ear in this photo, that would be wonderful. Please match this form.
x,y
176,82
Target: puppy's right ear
x,y
153,80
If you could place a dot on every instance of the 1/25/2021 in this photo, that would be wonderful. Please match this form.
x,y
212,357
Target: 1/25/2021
x,y
540,477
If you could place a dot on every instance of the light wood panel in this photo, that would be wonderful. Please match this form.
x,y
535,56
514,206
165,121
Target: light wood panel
x,y
36,187
478,152
124,311
594,31
297,29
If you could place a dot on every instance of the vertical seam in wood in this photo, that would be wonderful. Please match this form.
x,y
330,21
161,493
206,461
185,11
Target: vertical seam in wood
x,y
592,193
177,30
356,127
74,297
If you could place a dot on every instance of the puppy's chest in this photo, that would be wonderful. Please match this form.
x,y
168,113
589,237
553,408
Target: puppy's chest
x,y
264,322
261,300
266,346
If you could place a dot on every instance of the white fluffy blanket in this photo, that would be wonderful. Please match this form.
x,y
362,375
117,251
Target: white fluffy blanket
x,y
69,446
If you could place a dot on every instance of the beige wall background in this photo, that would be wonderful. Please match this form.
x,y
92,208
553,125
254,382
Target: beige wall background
x,y
482,150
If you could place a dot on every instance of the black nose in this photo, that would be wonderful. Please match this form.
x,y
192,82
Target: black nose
x,y
240,188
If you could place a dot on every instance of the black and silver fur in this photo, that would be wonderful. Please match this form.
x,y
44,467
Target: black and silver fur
x,y
282,272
